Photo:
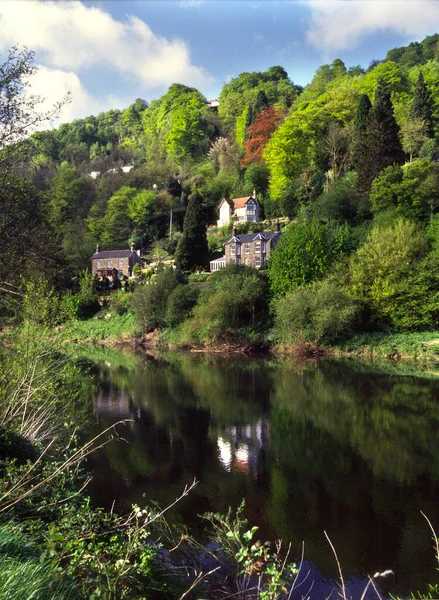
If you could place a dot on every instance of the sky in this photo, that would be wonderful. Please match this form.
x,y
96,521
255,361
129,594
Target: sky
x,y
107,53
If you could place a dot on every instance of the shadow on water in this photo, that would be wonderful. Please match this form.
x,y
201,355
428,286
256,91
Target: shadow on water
x,y
332,447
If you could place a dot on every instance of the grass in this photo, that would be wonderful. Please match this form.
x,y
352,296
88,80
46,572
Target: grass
x,y
106,325
24,573
420,346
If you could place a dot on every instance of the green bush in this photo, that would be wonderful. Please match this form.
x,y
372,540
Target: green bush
x,y
180,303
304,253
149,302
234,302
321,312
380,268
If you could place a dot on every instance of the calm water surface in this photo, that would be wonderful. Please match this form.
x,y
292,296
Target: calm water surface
x,y
334,447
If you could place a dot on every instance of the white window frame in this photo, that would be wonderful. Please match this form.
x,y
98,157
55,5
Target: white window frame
x,y
246,248
109,263
232,249
257,261
258,246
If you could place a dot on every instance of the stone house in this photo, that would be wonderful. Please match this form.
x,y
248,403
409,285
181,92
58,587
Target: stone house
x,y
251,249
103,263
242,210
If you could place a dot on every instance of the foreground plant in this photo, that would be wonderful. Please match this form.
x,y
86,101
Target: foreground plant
x,y
260,571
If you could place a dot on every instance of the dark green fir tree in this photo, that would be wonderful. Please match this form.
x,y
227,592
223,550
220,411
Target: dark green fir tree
x,y
381,147
192,251
422,106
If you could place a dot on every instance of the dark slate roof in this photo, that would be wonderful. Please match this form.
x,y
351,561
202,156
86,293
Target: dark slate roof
x,y
113,254
251,237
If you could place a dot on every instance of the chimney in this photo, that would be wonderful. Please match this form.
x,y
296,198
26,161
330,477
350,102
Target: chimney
x,y
234,231
254,193
132,246
98,248
277,225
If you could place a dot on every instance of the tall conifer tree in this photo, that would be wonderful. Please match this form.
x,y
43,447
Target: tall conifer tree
x,y
422,105
192,248
381,147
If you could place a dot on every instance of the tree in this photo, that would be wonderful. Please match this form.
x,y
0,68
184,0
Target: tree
x,y
18,111
192,248
386,259
258,135
381,147
412,189
28,245
413,136
303,254
337,145
422,106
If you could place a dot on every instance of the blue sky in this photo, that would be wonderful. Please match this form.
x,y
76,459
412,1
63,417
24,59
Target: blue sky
x,y
107,53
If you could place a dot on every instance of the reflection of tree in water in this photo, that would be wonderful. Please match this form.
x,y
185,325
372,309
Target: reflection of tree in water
x,y
310,448
357,456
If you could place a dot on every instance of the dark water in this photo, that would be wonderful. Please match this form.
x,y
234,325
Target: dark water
x,y
334,447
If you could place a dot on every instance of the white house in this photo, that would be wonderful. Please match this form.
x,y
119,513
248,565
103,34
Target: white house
x,y
242,209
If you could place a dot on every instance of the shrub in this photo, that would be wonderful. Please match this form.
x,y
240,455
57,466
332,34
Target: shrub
x,y
304,254
379,268
180,304
149,302
321,312
235,298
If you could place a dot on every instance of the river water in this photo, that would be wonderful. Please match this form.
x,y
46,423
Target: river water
x,y
336,447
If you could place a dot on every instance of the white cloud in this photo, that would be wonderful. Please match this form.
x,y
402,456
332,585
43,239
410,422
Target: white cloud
x,y
73,36
52,85
340,24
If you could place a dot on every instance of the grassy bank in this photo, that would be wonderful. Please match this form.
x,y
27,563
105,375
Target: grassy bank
x,y
107,327
422,346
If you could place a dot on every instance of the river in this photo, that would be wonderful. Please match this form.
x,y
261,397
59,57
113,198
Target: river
x,y
335,446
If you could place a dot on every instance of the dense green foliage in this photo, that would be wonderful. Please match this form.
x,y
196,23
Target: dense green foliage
x,y
352,157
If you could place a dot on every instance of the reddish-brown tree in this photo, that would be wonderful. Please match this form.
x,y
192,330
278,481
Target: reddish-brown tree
x,y
259,133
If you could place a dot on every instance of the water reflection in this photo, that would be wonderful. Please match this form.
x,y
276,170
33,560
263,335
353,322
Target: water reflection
x,y
335,448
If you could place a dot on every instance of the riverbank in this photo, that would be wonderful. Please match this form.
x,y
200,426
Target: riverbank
x,y
112,329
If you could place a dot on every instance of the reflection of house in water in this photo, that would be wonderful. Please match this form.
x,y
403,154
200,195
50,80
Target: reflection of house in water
x,y
240,447
112,403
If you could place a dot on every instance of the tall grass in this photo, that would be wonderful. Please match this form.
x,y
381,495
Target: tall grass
x,y
24,573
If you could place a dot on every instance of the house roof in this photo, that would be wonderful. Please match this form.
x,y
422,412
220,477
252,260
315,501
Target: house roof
x,y
251,237
241,202
113,254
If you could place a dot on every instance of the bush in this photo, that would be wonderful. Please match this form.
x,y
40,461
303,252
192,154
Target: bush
x,y
180,303
236,298
149,302
379,268
322,313
304,254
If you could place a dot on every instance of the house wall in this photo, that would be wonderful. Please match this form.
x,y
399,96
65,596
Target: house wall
x,y
101,266
253,254
224,214
249,213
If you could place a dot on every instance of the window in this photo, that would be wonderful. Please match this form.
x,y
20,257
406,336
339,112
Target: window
x,y
120,263
232,261
233,249
257,261
257,246
98,264
109,264
264,247
246,248
238,249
